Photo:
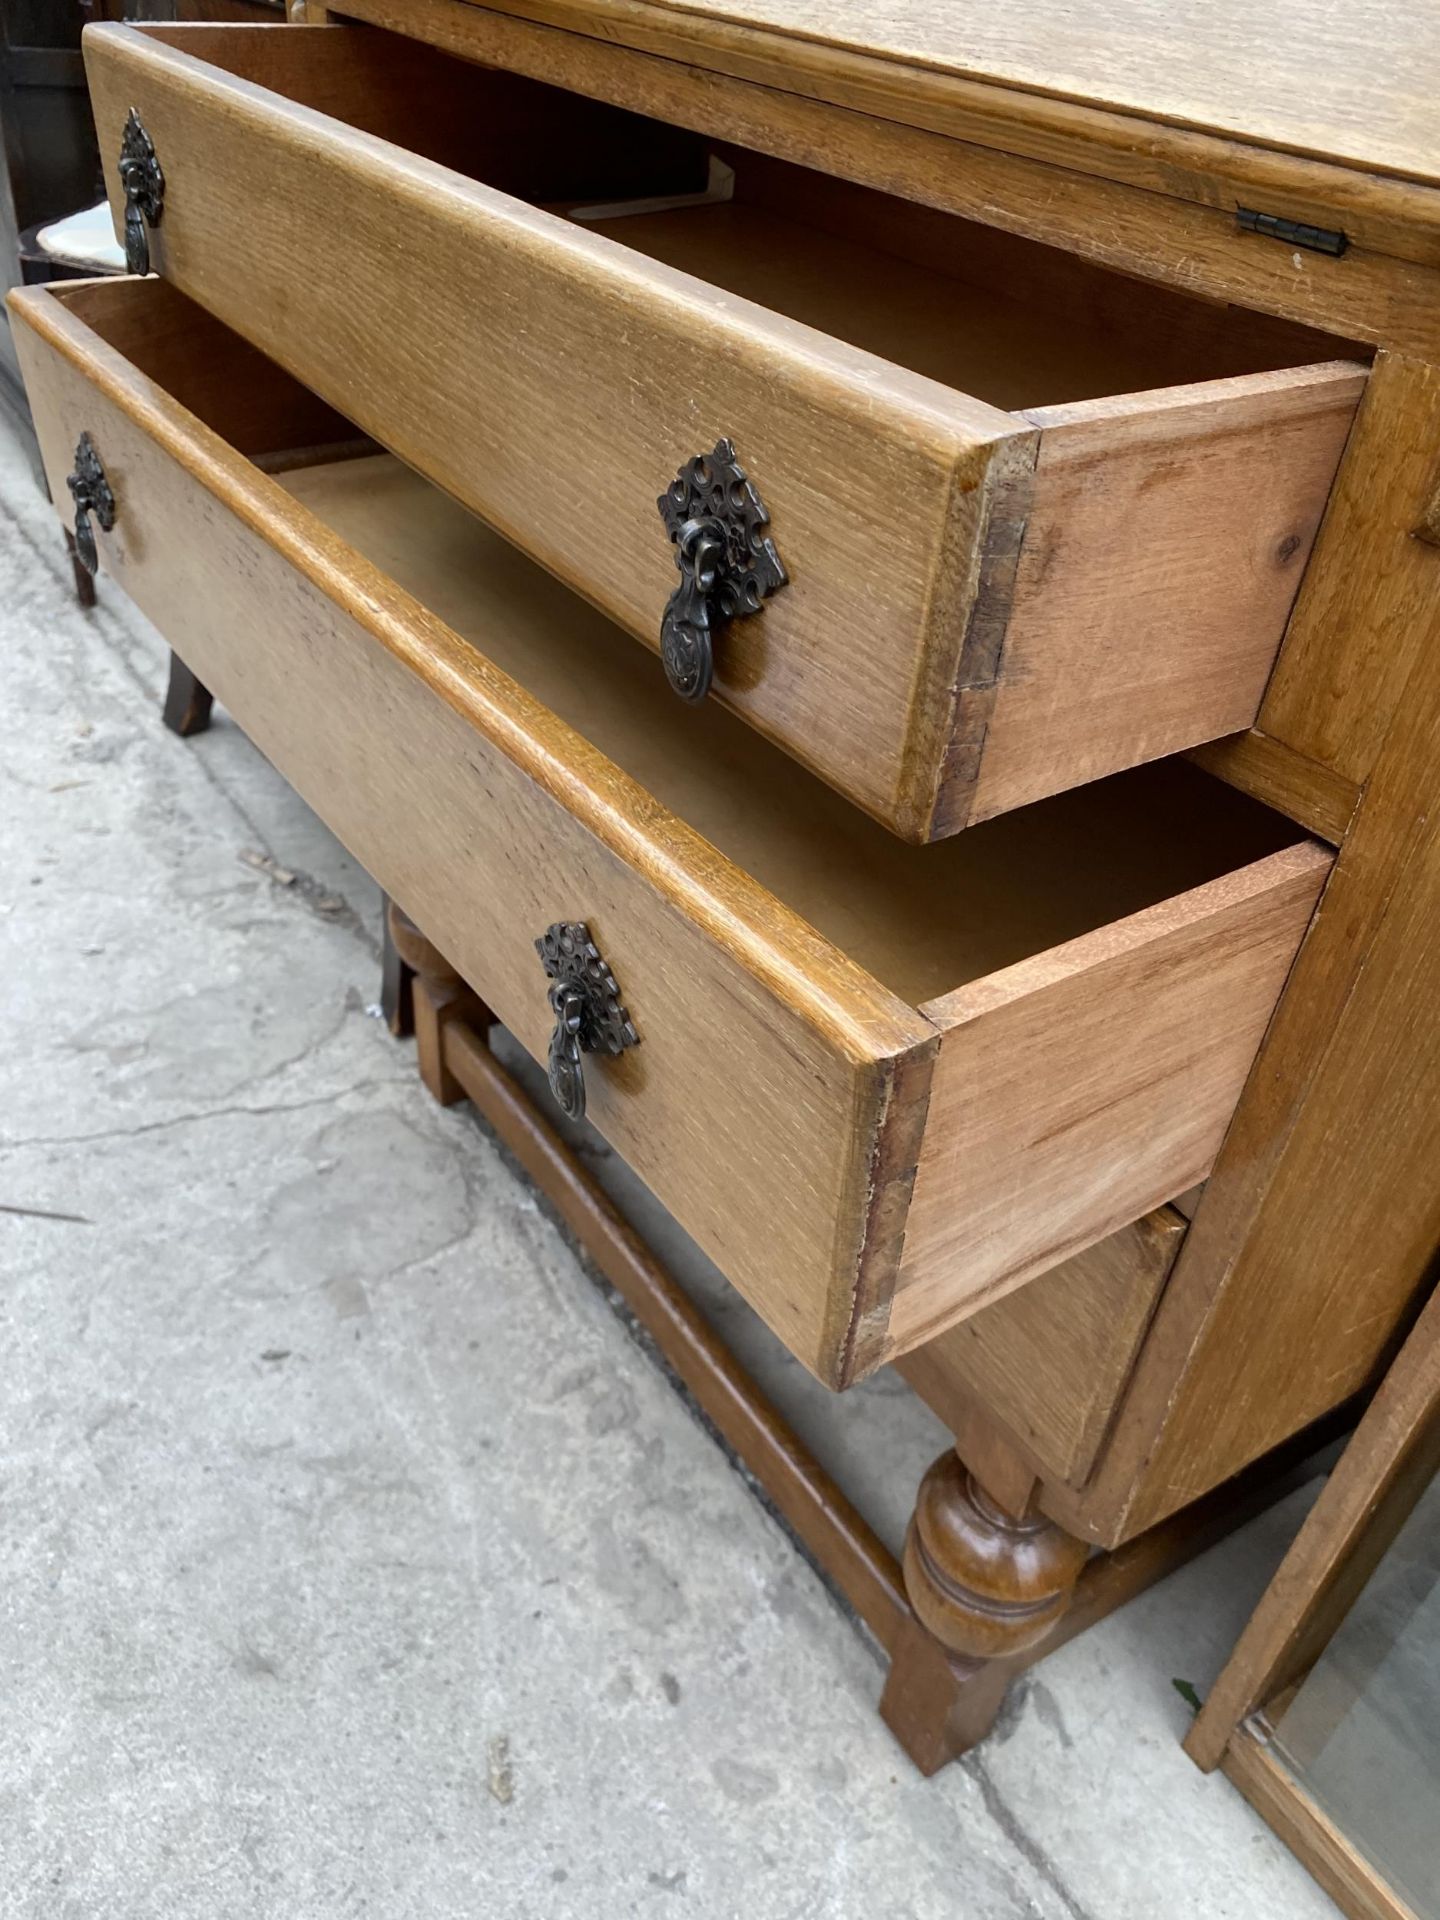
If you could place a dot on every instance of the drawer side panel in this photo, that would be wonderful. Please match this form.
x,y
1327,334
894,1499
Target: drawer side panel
x,y
1166,540
1110,1067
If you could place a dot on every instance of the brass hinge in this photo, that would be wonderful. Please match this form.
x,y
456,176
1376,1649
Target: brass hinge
x,y
1294,233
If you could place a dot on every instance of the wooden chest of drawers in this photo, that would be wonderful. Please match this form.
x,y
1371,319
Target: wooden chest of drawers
x,y
471,363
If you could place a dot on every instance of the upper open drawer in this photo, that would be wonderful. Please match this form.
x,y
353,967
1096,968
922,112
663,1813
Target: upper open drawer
x,y
999,579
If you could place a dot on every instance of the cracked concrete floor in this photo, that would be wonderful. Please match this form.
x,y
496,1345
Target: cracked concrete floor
x,y
355,1559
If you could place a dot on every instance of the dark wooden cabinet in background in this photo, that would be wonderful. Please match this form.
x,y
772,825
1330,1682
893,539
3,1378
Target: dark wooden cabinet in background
x,y
49,162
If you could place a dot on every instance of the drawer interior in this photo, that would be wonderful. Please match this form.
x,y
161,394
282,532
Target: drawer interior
x,y
1014,323
923,920
1004,319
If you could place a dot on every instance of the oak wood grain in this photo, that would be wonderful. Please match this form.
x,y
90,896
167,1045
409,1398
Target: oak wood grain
x,y
913,917
1160,534
403,92
247,399
1305,790
1017,324
1360,621
1160,156
920,919
1162,205
891,490
1221,488
1090,201
1353,85
1322,1213
578,378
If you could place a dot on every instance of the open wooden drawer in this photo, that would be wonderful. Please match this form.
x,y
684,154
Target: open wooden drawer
x,y
1039,522
881,1085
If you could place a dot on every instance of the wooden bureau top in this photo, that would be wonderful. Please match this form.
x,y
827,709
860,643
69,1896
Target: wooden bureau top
x,y
1355,82
1313,108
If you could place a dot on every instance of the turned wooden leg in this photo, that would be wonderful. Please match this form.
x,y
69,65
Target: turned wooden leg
x,y
437,995
84,579
985,1585
187,701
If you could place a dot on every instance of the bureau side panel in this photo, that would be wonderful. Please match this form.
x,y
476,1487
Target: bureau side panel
x,y
1360,625
1318,1230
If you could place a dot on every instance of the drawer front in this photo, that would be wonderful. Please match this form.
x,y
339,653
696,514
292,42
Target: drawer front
x,y
772,1098
982,606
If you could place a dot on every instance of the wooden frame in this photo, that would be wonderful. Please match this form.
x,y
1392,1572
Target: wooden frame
x,y
1348,1075
1330,1146
1076,177
1394,1455
1317,101
1346,1875
931,1704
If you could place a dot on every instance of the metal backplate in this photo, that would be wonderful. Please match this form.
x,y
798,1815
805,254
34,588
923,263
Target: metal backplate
x,y
727,561
144,188
93,499
589,1016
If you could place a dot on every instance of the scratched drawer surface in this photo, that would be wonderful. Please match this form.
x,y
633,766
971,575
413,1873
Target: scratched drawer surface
x,y
956,520
881,1085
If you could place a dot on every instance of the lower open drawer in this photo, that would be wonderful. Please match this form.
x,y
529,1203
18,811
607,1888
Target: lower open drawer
x,y
881,1085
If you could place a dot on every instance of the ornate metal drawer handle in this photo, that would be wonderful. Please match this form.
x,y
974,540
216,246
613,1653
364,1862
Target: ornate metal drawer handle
x,y
727,562
91,492
144,187
585,1000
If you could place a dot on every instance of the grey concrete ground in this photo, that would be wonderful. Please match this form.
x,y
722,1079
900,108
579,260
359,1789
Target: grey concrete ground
x,y
355,1559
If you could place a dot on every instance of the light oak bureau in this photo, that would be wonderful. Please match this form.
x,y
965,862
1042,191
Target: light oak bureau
x,y
1006,957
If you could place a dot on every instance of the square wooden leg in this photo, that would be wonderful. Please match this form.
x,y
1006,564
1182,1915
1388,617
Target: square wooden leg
x,y
427,993
187,701
84,579
937,1704
397,983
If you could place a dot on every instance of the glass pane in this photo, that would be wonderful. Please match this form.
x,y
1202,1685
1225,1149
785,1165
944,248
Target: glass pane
x,y
1362,1732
